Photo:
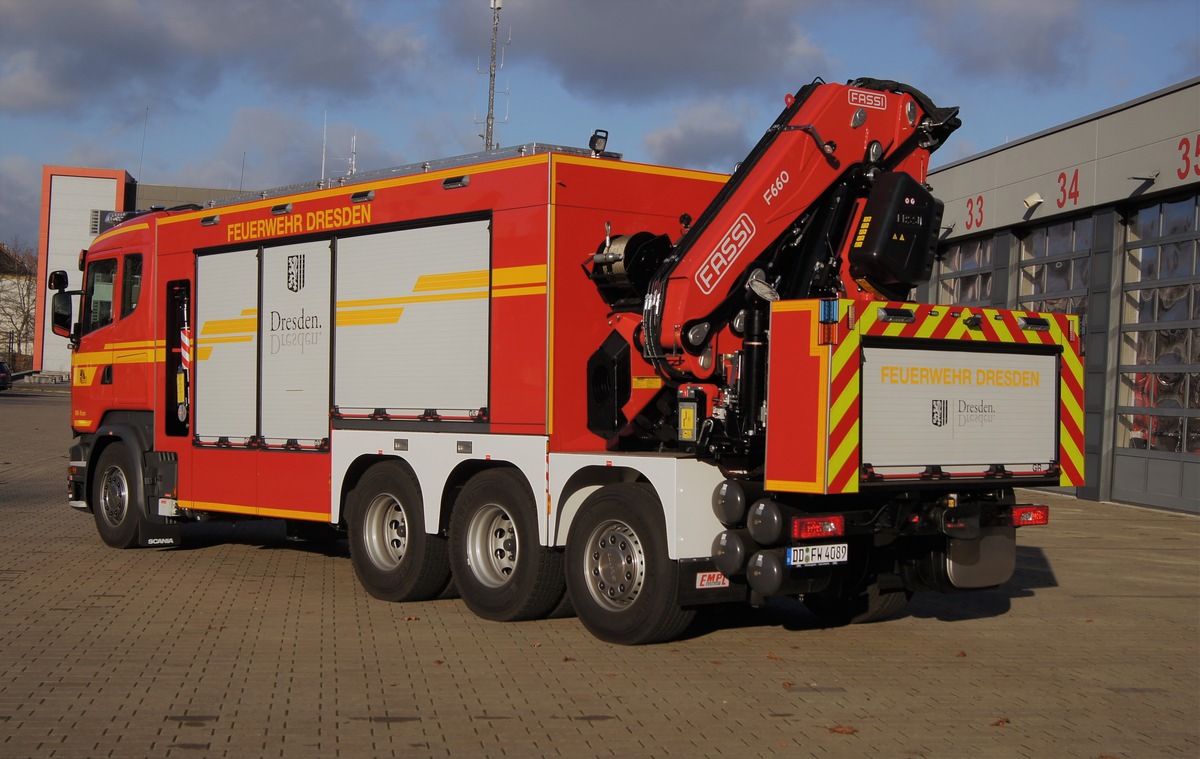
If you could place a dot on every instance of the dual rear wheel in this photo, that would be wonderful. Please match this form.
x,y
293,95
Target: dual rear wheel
x,y
619,578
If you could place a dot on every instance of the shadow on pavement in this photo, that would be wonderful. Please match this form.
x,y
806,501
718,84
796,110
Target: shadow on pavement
x,y
1032,572
265,533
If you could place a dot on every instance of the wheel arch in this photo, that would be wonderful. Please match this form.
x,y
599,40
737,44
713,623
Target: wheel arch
x,y
449,488
682,484
354,474
583,483
135,429
462,473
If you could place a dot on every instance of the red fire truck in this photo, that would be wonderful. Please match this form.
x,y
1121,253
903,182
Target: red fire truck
x,y
546,376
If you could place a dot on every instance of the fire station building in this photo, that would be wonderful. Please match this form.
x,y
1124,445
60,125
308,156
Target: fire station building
x,y
1096,217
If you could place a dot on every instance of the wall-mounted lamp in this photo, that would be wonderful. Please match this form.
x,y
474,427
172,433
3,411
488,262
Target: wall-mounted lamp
x,y
1033,200
1150,177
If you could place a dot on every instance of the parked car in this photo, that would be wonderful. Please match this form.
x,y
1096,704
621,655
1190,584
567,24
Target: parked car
x,y
5,376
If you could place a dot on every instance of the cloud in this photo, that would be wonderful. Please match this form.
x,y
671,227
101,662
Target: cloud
x,y
267,148
21,179
706,135
63,56
1034,42
633,51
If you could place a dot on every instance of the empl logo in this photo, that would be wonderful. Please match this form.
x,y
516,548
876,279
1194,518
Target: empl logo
x,y
711,580
940,413
295,273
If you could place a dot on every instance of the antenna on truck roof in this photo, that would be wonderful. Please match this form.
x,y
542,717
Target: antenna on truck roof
x,y
489,143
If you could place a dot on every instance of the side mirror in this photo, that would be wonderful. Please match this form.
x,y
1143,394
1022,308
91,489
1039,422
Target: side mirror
x,y
60,312
57,280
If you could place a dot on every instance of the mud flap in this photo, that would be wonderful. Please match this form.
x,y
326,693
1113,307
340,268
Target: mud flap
x,y
158,535
985,562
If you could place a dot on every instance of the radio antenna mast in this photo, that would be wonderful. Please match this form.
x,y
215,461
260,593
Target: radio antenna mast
x,y
489,143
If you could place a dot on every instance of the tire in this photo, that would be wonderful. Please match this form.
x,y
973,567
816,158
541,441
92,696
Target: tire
x,y
501,571
394,558
117,497
621,581
868,604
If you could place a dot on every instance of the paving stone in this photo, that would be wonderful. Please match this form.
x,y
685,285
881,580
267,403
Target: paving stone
x,y
247,644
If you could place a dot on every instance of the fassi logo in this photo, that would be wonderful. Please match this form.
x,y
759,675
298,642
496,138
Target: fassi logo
x,y
868,99
714,268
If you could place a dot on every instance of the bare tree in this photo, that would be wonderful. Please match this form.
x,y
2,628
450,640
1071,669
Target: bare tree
x,y
18,302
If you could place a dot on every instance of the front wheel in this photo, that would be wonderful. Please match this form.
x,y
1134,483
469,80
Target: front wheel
x,y
116,497
622,583
501,570
393,557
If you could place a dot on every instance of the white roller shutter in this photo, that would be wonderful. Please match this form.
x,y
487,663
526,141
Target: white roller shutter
x,y
413,320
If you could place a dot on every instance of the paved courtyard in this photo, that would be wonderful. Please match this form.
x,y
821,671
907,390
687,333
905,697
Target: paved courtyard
x,y
243,644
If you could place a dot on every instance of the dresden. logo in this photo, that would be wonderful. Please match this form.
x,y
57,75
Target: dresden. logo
x,y
940,412
295,273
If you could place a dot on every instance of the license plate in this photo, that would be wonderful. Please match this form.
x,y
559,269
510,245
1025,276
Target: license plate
x,y
814,556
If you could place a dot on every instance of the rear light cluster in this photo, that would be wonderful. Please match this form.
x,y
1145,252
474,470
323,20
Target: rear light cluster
x,y
813,528
1024,516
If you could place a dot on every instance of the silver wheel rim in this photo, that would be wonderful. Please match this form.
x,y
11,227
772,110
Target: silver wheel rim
x,y
114,496
492,546
616,565
385,531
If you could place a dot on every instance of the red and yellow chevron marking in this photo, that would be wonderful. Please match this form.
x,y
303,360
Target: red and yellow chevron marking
x,y
1070,400
845,406
1001,326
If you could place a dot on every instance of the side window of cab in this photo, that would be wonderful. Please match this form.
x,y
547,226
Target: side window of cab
x,y
102,300
131,283
98,295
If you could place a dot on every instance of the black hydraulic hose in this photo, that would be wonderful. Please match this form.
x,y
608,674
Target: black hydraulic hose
x,y
754,368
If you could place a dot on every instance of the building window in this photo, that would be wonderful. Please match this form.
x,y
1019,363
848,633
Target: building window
x,y
1158,402
965,277
1055,268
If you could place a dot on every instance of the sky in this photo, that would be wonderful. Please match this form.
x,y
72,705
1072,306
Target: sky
x,y
242,94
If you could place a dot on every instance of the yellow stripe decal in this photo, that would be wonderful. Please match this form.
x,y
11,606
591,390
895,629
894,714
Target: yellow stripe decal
x,y
118,231
520,275
410,299
232,339
460,280
233,508
368,317
228,326
513,291
344,194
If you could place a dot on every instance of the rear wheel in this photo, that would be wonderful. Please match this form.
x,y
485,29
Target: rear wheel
x,y
116,497
501,571
622,583
394,558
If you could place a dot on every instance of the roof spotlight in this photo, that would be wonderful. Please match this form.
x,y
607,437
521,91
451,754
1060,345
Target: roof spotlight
x,y
598,141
